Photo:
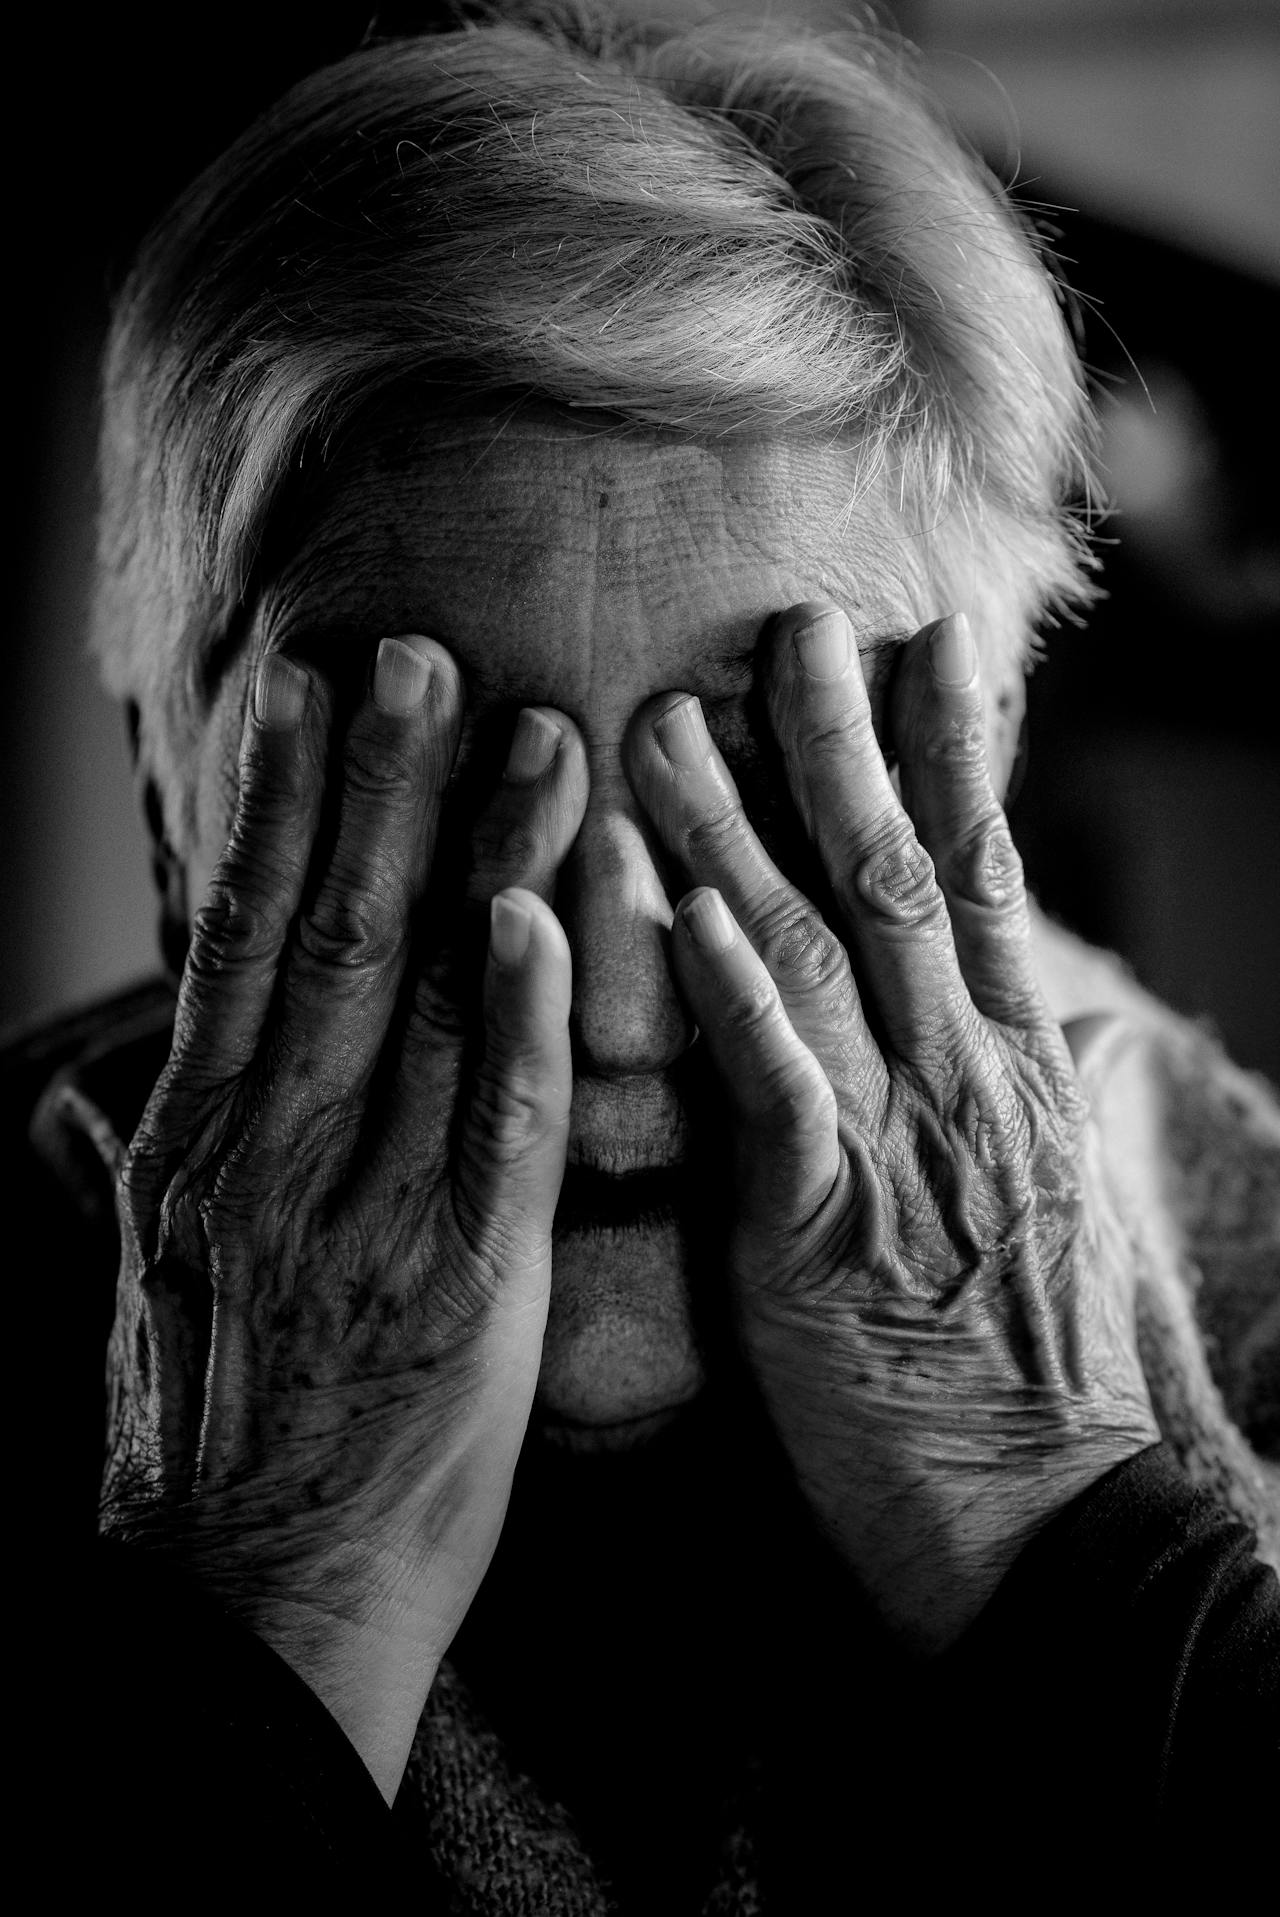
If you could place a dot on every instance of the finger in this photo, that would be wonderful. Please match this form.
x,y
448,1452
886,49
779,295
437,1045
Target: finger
x,y
515,1113
946,786
240,930
788,1147
352,938
882,878
684,785
525,831
519,841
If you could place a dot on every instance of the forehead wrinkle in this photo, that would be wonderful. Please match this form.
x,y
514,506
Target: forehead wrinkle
x,y
636,593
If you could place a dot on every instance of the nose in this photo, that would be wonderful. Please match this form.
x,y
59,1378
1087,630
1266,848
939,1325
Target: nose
x,y
627,1015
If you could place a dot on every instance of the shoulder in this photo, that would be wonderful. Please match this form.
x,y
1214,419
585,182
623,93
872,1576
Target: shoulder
x,y
66,1085
32,1055
1214,1127
98,1060
1191,1145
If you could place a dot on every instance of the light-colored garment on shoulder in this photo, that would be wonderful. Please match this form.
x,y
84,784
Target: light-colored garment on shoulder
x,y
1190,1145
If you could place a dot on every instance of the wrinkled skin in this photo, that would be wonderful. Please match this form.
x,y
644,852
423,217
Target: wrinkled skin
x,y
337,1231
575,570
916,1256
338,1212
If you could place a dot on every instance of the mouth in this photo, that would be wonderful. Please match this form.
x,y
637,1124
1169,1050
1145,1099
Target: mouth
x,y
559,1433
592,1200
636,1229
621,1357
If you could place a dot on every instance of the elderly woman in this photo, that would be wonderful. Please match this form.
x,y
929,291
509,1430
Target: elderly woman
x,y
577,506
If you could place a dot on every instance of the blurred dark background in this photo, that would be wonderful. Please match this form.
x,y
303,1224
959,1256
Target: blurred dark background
x,y
1149,805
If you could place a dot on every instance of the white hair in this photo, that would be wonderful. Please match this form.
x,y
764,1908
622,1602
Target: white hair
x,y
710,231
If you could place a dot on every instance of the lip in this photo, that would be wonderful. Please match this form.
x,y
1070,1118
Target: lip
x,y
616,1434
645,1195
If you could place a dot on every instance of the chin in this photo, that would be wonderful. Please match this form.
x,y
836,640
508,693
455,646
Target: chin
x,y
620,1361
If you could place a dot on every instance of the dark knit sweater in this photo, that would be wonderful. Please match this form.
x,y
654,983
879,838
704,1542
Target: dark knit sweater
x,y
1116,1709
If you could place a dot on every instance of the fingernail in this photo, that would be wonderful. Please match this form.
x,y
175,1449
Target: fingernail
x,y
710,921
401,676
534,744
822,647
951,652
510,924
279,693
682,733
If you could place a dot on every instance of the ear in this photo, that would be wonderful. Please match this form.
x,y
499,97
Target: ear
x,y
167,869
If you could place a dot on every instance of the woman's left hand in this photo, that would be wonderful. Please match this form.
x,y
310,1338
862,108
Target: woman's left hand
x,y
930,1288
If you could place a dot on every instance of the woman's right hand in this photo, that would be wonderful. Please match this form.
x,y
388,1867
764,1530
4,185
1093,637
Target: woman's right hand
x,y
336,1221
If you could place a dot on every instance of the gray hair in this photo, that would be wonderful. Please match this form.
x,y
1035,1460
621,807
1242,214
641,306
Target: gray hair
x,y
708,230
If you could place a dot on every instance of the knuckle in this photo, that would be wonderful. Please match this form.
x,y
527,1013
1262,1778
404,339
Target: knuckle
x,y
714,839
510,1116
379,773
796,943
237,921
837,735
898,880
350,935
961,741
985,866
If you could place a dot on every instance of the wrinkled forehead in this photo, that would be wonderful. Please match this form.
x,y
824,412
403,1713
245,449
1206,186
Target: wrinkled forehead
x,y
558,557
568,563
